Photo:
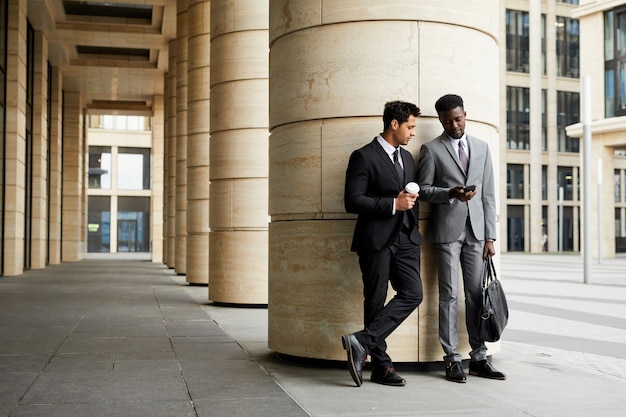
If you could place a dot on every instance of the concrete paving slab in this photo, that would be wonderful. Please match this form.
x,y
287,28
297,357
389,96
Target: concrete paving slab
x,y
108,409
67,348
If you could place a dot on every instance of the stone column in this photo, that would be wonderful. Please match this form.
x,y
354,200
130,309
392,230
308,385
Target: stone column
x,y
73,179
239,138
533,239
198,134
56,164
165,168
552,134
39,222
14,154
171,156
181,137
332,69
157,160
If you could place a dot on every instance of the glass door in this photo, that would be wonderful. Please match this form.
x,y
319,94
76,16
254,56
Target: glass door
x,y
126,235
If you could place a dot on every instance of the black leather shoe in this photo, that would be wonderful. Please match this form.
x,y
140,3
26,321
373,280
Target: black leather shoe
x,y
485,369
387,376
356,357
454,372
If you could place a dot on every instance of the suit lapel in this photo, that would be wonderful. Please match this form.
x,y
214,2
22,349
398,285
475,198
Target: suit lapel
x,y
454,155
472,152
387,161
403,180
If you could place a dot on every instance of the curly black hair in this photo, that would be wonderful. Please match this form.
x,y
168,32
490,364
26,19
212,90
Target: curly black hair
x,y
400,111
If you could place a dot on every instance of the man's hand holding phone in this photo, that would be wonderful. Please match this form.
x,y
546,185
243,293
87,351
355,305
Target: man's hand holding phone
x,y
469,188
463,193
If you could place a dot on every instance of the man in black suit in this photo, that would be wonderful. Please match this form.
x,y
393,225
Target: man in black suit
x,y
386,239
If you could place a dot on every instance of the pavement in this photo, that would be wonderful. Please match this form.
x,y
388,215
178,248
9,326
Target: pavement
x,y
121,336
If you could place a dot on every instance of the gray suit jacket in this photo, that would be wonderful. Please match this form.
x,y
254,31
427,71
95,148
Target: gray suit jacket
x,y
439,170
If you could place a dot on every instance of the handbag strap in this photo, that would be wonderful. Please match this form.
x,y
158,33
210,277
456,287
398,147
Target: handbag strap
x,y
489,272
492,268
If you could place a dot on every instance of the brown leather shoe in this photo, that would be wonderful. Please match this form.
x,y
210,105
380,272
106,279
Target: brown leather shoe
x,y
485,369
387,376
454,372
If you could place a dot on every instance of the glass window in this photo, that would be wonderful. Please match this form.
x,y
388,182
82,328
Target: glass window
x,y
514,181
100,167
133,169
119,122
545,239
133,224
609,36
518,118
567,235
544,182
515,228
543,44
618,186
615,62
517,37
568,1
568,113
544,120
99,224
567,44
565,180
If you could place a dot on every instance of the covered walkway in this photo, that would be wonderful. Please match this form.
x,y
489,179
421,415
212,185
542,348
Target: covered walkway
x,y
118,336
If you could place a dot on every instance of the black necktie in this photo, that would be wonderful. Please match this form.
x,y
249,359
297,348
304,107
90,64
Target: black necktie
x,y
399,169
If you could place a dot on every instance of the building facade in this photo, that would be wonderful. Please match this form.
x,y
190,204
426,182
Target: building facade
x,y
119,184
541,69
253,117
604,23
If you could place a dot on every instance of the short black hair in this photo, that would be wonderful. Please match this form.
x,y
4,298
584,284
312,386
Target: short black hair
x,y
400,111
448,102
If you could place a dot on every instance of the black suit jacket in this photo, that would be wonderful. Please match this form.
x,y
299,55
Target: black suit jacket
x,y
371,185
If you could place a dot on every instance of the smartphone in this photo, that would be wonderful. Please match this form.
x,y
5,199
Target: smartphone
x,y
469,188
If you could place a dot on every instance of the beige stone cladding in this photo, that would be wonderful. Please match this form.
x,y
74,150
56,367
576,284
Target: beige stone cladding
x,y
239,161
332,68
181,136
198,141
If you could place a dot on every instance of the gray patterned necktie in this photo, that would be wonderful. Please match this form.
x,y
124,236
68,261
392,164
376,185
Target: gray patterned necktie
x,y
463,157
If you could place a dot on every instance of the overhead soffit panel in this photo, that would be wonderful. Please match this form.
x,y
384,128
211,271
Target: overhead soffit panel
x,y
124,30
110,51
99,10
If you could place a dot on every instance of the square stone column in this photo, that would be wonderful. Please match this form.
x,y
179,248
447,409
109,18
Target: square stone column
x,y
15,152
39,193
157,185
56,166
74,207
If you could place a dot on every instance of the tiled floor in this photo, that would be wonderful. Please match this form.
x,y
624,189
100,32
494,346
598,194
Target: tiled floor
x,y
120,336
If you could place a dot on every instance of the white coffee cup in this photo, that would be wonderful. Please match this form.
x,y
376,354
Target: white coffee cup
x,y
412,188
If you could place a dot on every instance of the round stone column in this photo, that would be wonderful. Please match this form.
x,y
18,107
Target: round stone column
x,y
181,137
171,155
198,134
332,69
239,140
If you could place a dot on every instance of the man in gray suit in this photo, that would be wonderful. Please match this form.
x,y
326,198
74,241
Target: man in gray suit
x,y
456,176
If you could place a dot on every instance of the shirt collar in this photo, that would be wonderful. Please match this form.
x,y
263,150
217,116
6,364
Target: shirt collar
x,y
386,145
455,142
